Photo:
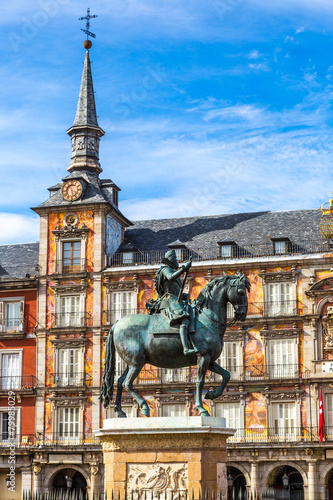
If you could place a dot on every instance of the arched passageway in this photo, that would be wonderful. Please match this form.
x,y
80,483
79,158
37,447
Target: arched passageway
x,y
236,484
69,480
329,485
288,484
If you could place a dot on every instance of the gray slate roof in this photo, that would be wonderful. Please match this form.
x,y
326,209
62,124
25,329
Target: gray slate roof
x,y
86,108
206,231
18,260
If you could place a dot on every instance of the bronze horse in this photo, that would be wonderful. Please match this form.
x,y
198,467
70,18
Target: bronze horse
x,y
137,345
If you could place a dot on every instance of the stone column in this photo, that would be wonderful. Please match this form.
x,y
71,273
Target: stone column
x,y
94,486
26,480
254,476
312,480
37,478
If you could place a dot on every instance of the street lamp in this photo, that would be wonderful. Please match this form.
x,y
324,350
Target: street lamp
x,y
285,480
69,482
230,480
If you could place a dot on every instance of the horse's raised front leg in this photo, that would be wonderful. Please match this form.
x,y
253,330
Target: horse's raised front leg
x,y
202,366
214,367
117,404
133,372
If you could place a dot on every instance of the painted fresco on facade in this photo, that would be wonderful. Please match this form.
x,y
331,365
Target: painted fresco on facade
x,y
152,403
88,362
48,417
49,361
113,235
256,413
321,275
88,418
254,354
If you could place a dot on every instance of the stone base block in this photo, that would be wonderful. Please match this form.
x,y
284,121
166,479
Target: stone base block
x,y
164,454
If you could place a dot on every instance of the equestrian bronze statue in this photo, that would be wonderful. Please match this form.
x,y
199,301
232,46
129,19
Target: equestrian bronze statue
x,y
177,333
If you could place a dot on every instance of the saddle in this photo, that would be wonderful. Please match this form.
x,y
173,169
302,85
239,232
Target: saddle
x,y
159,323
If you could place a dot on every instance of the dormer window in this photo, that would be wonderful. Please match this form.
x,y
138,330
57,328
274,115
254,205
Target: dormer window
x,y
128,258
227,249
280,245
182,252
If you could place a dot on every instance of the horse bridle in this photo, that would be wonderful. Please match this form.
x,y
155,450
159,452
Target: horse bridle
x,y
236,282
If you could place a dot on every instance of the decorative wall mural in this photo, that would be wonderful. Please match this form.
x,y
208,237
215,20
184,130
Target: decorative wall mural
x,y
113,235
255,413
254,355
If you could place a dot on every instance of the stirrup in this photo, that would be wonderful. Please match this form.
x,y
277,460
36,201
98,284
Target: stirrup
x,y
188,351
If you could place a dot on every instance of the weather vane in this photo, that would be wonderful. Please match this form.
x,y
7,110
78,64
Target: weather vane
x,y
87,18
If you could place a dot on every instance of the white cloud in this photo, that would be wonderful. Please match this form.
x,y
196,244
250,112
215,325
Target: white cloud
x,y
16,228
254,54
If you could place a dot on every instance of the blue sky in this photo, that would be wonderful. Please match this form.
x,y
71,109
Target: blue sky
x,y
221,106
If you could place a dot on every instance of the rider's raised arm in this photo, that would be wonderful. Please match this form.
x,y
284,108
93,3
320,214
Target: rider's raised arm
x,y
171,275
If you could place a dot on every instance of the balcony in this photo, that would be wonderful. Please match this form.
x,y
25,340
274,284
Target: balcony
x,y
70,380
270,309
155,376
111,316
246,252
51,439
18,383
70,266
21,441
75,319
275,436
12,325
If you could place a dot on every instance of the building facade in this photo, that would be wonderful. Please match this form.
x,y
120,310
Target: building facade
x,y
94,266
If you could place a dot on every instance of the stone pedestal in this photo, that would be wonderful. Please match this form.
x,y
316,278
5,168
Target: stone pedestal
x,y
164,454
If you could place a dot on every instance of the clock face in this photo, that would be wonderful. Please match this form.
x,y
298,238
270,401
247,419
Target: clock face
x,y
71,190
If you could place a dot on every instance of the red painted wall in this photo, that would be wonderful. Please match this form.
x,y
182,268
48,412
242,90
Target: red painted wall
x,y
30,306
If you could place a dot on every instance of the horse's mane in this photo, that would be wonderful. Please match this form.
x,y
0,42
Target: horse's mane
x,y
206,293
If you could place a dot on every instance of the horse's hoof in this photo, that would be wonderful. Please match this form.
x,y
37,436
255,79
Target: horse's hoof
x,y
202,412
210,395
121,414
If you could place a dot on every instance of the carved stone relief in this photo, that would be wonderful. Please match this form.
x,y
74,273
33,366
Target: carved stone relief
x,y
157,478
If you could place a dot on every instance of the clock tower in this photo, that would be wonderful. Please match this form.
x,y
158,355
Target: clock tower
x,y
81,227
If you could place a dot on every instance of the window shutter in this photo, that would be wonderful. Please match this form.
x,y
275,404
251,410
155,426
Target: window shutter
x,y
328,413
21,316
2,319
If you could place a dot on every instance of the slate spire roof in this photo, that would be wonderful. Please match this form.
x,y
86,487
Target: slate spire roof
x,y
86,107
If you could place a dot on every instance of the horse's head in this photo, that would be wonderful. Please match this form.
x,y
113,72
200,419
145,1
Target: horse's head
x,y
237,295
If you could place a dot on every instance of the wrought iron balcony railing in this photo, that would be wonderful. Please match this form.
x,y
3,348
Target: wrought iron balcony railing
x,y
305,247
73,319
74,265
66,439
12,325
110,316
283,434
69,379
18,382
270,309
238,373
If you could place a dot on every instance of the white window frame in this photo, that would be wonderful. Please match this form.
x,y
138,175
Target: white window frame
x,y
328,415
229,410
4,301
174,409
6,409
64,379
118,307
231,358
128,257
226,251
280,247
130,410
80,312
59,251
279,426
283,364
18,385
69,438
172,375
276,305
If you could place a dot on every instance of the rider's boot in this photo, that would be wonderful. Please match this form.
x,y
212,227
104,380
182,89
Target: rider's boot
x,y
183,332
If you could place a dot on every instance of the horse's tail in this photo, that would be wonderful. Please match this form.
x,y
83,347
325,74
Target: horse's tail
x,y
106,393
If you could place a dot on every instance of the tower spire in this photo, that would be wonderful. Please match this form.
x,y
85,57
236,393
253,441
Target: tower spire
x,y
85,131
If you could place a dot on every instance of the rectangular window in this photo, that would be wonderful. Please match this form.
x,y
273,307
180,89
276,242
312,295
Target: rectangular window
x,y
10,370
128,257
179,254
284,419
280,247
120,366
229,359
130,411
280,299
122,303
11,316
226,251
230,310
174,375
174,410
232,413
283,359
8,431
69,367
68,423
71,256
328,416
70,314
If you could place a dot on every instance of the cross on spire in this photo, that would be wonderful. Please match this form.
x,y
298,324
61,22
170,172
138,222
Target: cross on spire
x,y
87,18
